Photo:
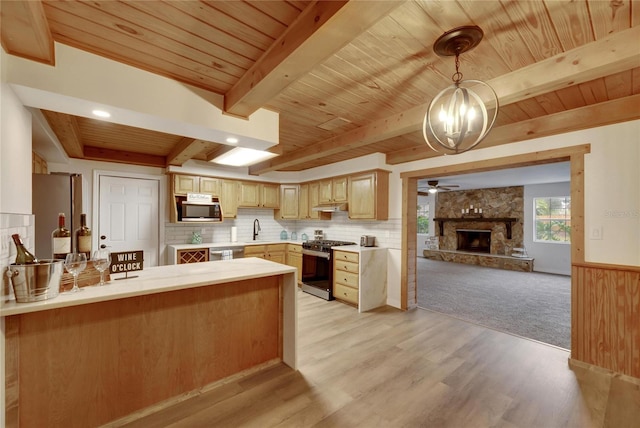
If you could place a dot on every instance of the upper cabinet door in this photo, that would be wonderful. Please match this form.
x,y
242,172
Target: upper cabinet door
x,y
340,189
183,184
289,202
229,198
369,196
270,196
249,194
303,202
210,185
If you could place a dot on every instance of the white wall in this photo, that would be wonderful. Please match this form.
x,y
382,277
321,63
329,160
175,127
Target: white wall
x,y
612,185
549,257
15,152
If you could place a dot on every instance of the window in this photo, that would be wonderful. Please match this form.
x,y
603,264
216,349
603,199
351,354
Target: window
x,y
552,219
423,218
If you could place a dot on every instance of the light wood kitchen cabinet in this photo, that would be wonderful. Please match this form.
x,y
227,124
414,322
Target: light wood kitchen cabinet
x,y
309,197
270,195
229,198
360,277
289,204
274,252
259,195
258,251
333,190
192,255
303,202
183,184
369,196
346,276
210,185
294,259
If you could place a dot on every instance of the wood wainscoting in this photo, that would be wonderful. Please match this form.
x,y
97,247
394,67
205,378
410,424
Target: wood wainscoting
x,y
605,318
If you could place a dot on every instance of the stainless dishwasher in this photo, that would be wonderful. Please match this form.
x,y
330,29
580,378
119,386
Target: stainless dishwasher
x,y
226,253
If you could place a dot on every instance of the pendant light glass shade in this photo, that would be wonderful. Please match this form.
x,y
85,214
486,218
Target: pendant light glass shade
x,y
460,116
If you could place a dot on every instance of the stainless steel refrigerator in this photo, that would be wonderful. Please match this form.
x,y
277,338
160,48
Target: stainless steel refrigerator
x,y
53,194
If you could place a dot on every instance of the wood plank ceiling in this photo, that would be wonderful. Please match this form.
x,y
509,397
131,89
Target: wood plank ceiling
x,y
348,78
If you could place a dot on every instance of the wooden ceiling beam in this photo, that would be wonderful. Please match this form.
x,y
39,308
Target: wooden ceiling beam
x,y
67,130
607,113
588,62
322,29
121,156
25,31
186,149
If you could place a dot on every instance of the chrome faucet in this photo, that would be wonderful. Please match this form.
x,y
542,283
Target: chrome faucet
x,y
256,228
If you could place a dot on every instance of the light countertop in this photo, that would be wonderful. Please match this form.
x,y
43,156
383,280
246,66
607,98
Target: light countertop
x,y
157,280
358,248
229,244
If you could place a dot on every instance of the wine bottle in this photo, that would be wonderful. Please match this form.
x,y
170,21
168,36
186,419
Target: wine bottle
x,y
61,239
23,256
82,237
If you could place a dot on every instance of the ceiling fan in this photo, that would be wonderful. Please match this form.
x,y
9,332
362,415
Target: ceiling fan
x,y
434,187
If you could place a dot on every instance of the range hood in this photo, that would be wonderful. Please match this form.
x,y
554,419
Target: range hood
x,y
333,208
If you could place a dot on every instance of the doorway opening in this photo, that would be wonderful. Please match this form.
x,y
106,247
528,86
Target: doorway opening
x,y
574,155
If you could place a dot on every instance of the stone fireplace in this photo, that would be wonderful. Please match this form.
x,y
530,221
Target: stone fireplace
x,y
485,237
474,240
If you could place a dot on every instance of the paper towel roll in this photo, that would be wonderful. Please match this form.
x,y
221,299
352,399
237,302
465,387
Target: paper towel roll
x,y
234,234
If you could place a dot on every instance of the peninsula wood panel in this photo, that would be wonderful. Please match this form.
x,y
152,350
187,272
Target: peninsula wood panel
x,y
90,364
605,317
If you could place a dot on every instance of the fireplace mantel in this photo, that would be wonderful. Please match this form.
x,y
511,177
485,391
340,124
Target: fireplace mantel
x,y
508,221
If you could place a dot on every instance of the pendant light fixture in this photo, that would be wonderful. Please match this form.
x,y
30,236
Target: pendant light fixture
x,y
461,115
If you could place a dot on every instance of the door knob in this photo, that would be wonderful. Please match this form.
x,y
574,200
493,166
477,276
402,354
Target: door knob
x,y
103,237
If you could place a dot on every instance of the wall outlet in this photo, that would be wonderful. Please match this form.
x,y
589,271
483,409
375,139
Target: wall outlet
x,y
596,233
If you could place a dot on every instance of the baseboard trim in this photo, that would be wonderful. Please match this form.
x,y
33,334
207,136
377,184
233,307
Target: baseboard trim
x,y
601,370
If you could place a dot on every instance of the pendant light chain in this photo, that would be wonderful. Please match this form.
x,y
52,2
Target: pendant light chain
x,y
457,76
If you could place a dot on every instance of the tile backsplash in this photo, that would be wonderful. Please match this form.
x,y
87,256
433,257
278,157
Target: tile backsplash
x,y
340,227
23,225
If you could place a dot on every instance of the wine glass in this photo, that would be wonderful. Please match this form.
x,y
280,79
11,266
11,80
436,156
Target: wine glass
x,y
75,263
101,261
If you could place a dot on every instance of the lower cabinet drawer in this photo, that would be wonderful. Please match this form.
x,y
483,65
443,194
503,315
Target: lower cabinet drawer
x,y
347,294
346,278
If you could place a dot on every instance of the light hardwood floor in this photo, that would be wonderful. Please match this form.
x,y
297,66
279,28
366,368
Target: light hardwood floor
x,y
388,368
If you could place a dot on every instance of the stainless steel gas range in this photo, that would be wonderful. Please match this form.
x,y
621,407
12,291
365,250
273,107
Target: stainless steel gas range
x,y
317,267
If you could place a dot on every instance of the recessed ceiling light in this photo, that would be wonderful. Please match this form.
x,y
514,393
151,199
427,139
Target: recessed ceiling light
x,y
101,113
242,156
232,140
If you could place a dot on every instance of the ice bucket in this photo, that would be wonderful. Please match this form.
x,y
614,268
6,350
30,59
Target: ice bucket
x,y
37,281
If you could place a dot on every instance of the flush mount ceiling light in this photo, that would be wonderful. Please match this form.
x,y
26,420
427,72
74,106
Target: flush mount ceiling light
x,y
461,115
242,156
101,113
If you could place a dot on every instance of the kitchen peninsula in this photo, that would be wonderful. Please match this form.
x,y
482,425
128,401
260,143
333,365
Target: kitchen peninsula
x,y
105,353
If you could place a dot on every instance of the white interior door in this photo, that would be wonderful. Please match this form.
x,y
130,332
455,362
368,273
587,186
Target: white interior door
x,y
129,216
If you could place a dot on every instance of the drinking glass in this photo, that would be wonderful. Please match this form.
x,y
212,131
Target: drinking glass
x,y
75,263
101,261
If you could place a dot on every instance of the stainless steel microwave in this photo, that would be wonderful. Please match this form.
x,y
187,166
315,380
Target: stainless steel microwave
x,y
200,211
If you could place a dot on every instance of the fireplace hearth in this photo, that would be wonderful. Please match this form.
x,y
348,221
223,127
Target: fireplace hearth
x,y
474,240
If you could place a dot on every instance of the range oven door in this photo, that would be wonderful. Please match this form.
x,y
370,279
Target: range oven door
x,y
317,273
